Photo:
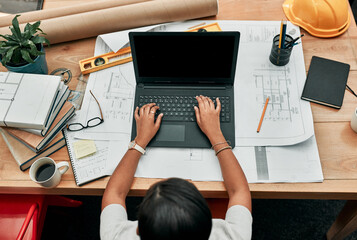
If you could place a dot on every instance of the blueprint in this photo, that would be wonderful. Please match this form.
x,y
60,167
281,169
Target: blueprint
x,y
288,119
297,163
115,94
264,157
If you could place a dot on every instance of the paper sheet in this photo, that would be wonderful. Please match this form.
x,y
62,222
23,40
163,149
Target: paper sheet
x,y
115,94
295,163
288,119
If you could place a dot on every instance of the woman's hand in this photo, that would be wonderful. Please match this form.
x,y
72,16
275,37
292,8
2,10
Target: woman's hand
x,y
146,126
207,116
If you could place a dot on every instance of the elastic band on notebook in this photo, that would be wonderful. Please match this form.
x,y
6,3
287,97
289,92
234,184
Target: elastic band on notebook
x,y
351,91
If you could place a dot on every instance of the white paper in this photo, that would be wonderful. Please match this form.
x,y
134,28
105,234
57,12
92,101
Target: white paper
x,y
288,119
115,94
295,163
118,40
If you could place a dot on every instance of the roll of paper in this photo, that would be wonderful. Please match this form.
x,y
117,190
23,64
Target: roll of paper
x,y
33,16
93,23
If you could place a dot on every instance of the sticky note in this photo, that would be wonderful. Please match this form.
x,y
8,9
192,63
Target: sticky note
x,y
83,148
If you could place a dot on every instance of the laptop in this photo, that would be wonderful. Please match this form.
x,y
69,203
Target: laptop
x,y
171,68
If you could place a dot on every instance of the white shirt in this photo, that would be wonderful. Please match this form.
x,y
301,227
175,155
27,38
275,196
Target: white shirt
x,y
114,224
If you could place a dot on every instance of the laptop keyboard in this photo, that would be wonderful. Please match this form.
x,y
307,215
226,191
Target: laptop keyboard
x,y
180,108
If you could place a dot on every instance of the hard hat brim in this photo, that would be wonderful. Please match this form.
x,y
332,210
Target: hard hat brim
x,y
317,32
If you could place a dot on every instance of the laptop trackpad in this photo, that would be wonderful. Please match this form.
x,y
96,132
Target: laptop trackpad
x,y
174,133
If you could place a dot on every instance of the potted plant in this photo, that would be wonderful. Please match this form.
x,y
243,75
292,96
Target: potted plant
x,y
23,51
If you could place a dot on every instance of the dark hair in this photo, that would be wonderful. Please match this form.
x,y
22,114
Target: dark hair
x,y
174,209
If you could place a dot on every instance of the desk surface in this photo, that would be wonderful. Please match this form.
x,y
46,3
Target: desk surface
x,y
336,141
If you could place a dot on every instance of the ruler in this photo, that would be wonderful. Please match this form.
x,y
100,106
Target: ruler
x,y
106,60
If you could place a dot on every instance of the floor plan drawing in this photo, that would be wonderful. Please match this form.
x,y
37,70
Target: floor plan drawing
x,y
277,86
119,97
114,89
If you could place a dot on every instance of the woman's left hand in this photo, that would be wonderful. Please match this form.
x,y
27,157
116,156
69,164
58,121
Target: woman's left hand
x,y
146,126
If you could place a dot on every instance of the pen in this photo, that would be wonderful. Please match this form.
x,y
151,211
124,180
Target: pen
x,y
294,40
263,113
283,35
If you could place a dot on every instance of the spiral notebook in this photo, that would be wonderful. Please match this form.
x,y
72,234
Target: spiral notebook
x,y
91,167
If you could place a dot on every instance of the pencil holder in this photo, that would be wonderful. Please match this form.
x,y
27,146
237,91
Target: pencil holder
x,y
281,56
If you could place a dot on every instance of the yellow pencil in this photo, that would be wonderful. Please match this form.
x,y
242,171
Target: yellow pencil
x,y
263,113
197,25
281,33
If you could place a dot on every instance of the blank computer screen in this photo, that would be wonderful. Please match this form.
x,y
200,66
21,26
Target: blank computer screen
x,y
186,55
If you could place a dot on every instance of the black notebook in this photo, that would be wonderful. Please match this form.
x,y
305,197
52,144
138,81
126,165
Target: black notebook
x,y
326,82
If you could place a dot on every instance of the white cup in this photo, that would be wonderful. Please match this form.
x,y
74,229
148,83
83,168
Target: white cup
x,y
354,121
51,172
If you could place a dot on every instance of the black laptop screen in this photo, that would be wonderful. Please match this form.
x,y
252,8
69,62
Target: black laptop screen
x,y
185,56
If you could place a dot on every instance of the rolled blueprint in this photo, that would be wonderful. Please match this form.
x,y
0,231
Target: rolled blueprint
x,y
33,16
93,23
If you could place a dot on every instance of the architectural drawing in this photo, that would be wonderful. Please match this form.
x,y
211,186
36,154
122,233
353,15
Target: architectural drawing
x,y
277,86
119,97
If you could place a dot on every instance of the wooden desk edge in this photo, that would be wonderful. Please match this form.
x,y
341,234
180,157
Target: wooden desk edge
x,y
324,190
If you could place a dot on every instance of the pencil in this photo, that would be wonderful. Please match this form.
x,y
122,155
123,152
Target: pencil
x,y
263,113
281,33
197,25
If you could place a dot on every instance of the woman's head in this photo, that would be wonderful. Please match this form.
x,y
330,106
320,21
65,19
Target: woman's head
x,y
174,209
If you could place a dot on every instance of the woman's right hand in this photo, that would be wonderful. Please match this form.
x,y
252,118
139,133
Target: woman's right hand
x,y
207,116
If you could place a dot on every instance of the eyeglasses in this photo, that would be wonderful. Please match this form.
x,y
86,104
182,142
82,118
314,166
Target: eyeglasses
x,y
90,123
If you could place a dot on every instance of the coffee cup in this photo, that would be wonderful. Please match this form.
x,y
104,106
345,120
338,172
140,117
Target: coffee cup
x,y
46,172
354,120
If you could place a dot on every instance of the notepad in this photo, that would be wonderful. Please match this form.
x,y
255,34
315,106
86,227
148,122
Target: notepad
x,y
326,82
83,148
92,161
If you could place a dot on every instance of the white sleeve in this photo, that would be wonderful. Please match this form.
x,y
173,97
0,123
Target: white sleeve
x,y
111,219
240,220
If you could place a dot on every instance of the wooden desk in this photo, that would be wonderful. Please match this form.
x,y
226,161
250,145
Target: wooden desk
x,y
337,142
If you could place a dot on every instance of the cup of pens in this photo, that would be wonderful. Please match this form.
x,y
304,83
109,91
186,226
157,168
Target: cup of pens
x,y
281,50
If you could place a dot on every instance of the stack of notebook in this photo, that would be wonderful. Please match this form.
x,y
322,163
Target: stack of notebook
x,y
33,111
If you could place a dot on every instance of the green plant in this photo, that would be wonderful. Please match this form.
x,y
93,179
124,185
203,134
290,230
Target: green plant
x,y
22,47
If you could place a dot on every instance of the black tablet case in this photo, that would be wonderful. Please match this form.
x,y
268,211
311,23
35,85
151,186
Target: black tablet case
x,y
326,82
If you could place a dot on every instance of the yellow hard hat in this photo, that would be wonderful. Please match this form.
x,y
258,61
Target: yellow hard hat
x,y
321,18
